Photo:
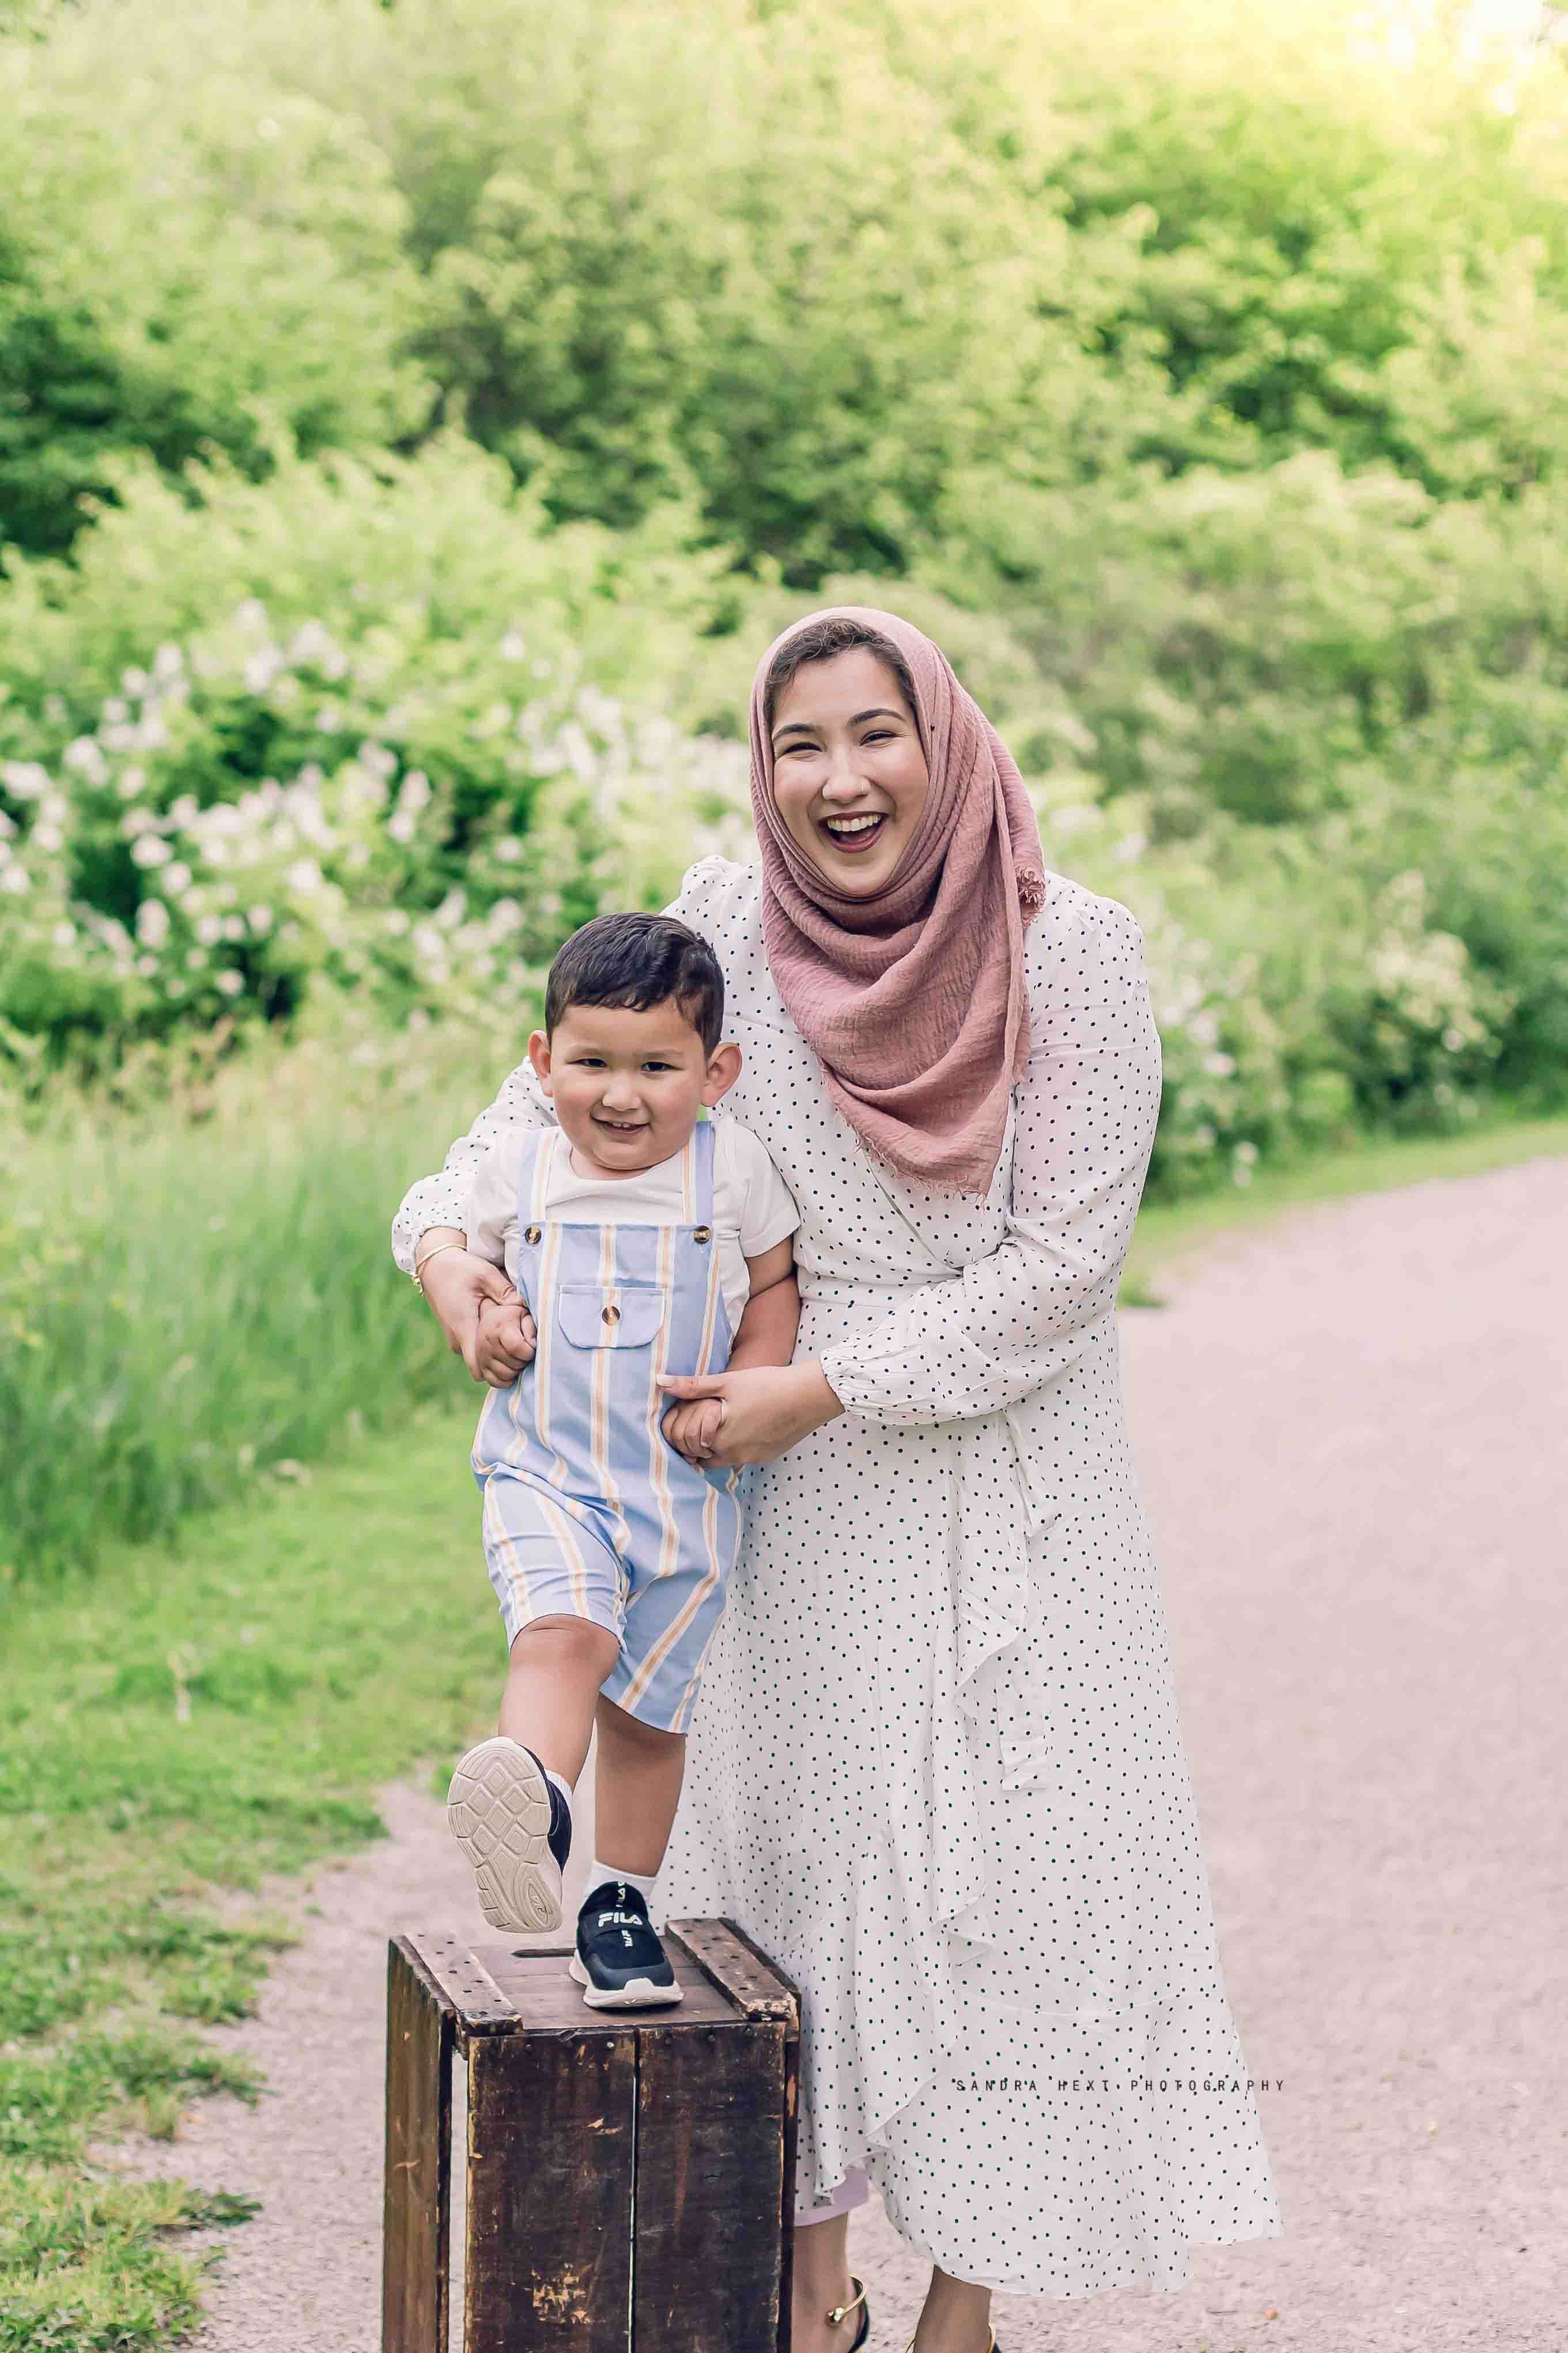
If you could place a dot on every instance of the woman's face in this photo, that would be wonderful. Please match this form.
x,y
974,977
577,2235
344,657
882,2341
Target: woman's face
x,y
849,776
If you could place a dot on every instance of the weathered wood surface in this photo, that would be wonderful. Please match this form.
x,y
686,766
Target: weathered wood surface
x,y
705,2266
466,1985
418,2199
728,1957
544,1999
630,2174
552,2127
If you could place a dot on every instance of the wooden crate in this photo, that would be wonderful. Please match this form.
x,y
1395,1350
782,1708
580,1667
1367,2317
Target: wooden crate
x,y
630,2173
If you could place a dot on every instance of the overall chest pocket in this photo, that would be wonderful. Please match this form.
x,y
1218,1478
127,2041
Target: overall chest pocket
x,y
611,1315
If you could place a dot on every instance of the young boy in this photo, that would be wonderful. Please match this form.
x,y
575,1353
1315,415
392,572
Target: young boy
x,y
643,1241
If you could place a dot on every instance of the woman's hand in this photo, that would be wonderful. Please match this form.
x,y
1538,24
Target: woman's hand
x,y
456,1285
768,1409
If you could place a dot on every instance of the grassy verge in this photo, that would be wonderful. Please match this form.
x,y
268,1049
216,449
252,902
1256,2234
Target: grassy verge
x,y
171,1729
179,1719
196,1296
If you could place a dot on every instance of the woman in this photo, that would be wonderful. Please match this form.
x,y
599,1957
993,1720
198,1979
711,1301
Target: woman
x,y
937,1771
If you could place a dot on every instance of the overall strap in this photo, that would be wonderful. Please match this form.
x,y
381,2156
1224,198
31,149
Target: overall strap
x,y
702,1139
533,1164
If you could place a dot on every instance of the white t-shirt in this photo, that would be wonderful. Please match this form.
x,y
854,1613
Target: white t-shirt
x,y
752,1206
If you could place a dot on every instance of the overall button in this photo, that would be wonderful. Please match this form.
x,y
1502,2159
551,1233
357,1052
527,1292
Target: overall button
x,y
532,1234
611,1316
703,1234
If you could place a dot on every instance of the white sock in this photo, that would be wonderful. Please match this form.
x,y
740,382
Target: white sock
x,y
641,1880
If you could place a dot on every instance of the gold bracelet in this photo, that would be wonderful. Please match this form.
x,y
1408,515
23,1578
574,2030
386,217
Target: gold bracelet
x,y
421,1264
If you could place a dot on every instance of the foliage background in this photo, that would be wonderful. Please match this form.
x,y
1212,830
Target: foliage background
x,y
413,420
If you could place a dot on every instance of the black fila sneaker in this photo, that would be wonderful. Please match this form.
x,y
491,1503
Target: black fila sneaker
x,y
515,1826
619,1962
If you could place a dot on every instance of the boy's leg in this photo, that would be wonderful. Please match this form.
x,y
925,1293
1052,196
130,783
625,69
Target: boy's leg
x,y
553,1673
559,1584
636,1787
558,1581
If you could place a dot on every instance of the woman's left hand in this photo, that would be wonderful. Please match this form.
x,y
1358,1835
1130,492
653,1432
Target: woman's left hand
x,y
768,1409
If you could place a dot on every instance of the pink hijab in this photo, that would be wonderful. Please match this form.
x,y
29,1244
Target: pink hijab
x,y
913,999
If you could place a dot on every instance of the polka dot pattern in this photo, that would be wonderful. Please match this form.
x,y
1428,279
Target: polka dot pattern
x,y
936,1767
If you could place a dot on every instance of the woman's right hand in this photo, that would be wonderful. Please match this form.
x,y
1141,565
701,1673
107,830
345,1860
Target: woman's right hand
x,y
456,1283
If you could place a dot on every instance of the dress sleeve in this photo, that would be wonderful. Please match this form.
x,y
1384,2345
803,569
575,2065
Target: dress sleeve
x,y
489,1198
439,1200
442,1199
1087,1109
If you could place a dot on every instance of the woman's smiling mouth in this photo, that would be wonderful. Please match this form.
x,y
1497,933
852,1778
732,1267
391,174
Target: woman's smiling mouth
x,y
854,833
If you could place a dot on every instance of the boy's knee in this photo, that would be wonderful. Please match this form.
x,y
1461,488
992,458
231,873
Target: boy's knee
x,y
571,1641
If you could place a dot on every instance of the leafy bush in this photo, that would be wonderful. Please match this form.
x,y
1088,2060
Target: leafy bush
x,y
418,800
187,263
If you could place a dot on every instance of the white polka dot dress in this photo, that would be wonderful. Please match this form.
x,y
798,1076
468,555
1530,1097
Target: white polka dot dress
x,y
935,1768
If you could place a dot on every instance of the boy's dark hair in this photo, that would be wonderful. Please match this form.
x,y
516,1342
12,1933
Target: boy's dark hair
x,y
820,642
638,961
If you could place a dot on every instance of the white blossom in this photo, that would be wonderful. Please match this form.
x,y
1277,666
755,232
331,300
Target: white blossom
x,y
84,756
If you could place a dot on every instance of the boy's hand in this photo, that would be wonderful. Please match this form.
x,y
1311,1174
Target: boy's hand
x,y
506,1339
691,1428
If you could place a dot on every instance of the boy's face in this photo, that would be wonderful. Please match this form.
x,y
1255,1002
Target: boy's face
x,y
627,1086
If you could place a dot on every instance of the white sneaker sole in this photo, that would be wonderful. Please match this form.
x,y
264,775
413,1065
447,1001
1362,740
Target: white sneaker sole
x,y
497,1810
640,1994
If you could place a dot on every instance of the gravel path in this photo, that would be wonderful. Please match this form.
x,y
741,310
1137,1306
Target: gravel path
x,y
1350,1428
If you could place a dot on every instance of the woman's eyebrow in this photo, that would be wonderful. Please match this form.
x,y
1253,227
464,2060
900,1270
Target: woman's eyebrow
x,y
803,727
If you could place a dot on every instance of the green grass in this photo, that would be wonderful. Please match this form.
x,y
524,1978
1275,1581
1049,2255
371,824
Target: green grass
x,y
179,1720
190,1307
172,1729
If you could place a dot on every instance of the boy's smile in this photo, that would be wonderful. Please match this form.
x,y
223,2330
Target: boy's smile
x,y
627,1086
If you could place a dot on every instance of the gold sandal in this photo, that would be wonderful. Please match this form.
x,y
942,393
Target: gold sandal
x,y
839,2311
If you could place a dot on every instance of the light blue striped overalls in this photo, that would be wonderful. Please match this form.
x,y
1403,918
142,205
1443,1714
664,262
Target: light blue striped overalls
x,y
588,1509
